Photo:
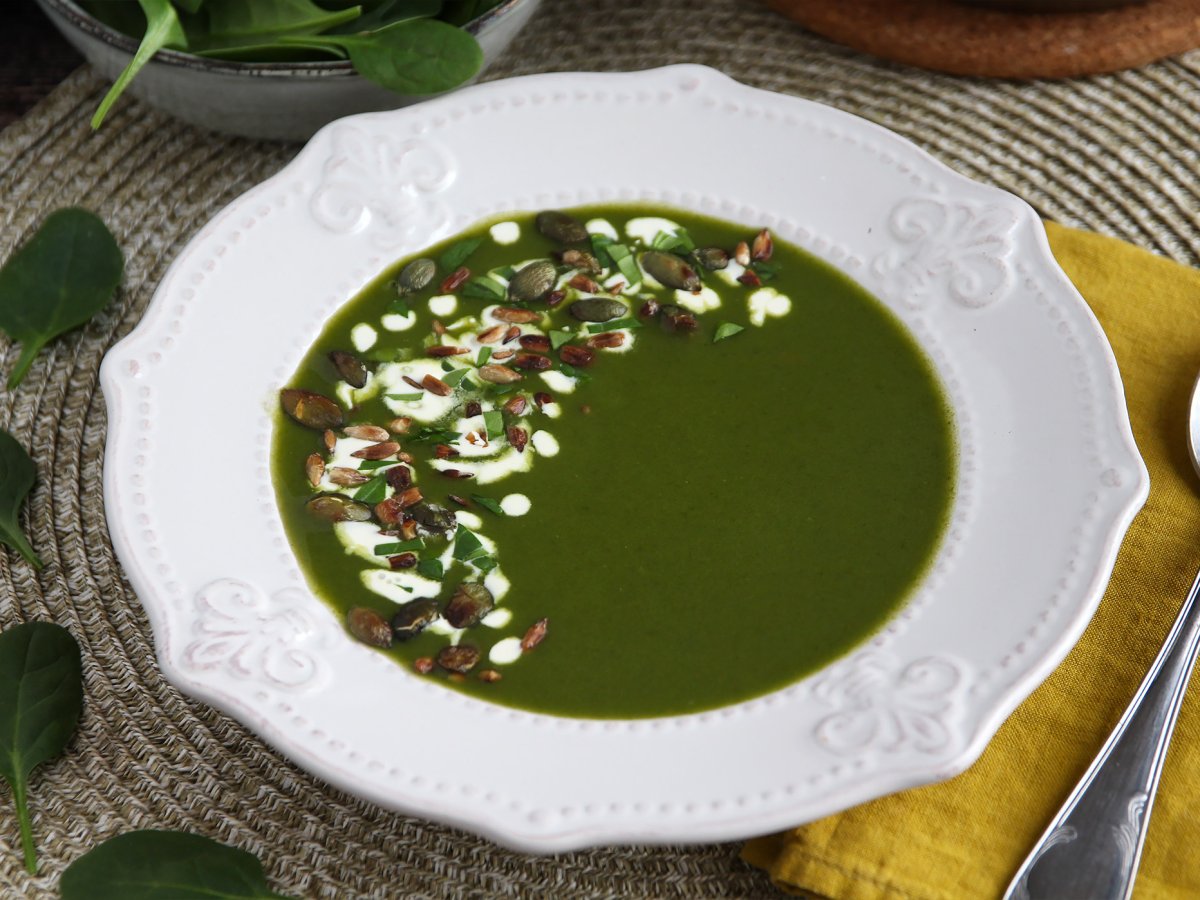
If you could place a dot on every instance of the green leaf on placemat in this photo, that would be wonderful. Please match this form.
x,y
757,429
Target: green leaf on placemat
x,y
17,475
62,277
41,694
165,865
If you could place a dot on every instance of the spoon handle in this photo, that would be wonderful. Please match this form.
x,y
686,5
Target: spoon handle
x,y
1093,846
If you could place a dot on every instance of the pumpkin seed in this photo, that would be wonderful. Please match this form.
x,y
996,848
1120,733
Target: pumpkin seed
x,y
382,450
582,260
515,316
470,603
535,635
346,477
368,433
534,281
335,508
558,226
670,270
462,658
711,258
676,318
349,367
763,246
416,276
532,361
573,355
414,617
598,309
311,409
433,518
368,626
491,335
314,468
498,374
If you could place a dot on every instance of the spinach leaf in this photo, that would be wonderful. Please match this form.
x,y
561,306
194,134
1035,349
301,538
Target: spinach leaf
x,y
17,475
165,865
163,29
62,277
41,693
422,56
238,23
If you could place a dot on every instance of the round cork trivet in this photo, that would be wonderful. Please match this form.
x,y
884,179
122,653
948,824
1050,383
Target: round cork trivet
x,y
950,37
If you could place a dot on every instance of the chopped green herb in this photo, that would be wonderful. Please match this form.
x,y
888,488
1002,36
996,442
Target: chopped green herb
x,y
600,327
431,568
453,376
490,504
369,464
398,547
625,263
485,353
408,397
446,366
373,491
558,338
493,423
458,254
726,329
484,563
600,245
501,389
505,272
485,288
764,270
467,546
434,435
399,307
680,242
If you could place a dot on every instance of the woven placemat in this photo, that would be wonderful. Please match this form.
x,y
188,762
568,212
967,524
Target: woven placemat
x,y
1115,153
948,36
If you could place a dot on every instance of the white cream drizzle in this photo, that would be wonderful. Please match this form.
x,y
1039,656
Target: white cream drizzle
x,y
515,504
766,302
363,337
505,232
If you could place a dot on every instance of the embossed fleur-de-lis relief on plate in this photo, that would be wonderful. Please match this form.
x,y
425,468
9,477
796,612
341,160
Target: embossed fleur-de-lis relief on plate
x,y
964,247
383,183
244,633
880,705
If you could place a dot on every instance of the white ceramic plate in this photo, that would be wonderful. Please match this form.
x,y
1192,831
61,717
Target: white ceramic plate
x,y
1049,475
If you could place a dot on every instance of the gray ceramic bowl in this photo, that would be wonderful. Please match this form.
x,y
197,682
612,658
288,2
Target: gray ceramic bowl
x,y
283,101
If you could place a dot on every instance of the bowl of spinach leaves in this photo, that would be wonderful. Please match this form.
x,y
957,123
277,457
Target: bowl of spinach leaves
x,y
280,69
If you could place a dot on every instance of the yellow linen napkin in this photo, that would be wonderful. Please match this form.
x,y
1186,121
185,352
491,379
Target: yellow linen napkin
x,y
966,837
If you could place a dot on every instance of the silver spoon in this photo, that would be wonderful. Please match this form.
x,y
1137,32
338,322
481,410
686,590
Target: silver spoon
x,y
1092,847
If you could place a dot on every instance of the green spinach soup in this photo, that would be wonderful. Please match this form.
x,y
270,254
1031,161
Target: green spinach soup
x,y
614,462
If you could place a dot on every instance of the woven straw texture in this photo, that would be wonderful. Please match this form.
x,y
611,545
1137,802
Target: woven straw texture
x,y
1115,153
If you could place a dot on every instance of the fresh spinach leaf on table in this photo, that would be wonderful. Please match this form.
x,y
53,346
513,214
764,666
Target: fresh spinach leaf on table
x,y
17,475
165,865
41,695
415,57
163,29
229,24
412,47
59,279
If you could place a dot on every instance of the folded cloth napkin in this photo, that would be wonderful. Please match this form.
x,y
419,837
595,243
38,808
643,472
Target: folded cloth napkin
x,y
966,837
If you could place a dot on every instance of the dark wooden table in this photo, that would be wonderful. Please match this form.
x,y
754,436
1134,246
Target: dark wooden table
x,y
33,58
